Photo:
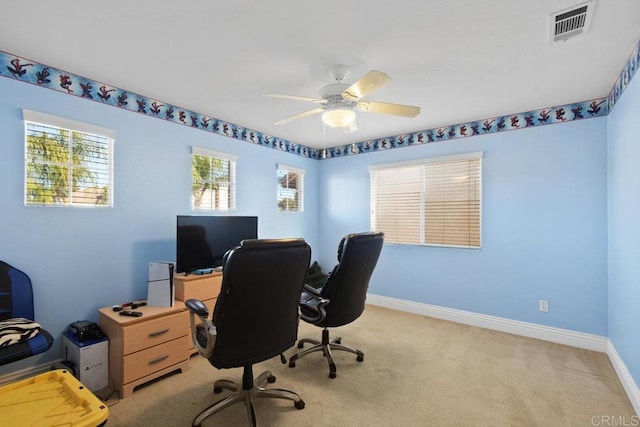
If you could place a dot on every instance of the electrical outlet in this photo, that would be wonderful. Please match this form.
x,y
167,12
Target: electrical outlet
x,y
543,306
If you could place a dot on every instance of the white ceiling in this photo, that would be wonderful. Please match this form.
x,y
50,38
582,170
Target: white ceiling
x,y
459,60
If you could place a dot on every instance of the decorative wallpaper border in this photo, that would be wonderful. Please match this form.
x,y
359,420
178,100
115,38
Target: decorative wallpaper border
x,y
544,116
28,71
625,77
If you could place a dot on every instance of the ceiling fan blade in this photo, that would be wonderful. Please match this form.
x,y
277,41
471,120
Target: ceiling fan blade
x,y
293,97
300,116
367,84
388,108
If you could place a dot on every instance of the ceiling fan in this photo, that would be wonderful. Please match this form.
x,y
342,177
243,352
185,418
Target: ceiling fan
x,y
339,101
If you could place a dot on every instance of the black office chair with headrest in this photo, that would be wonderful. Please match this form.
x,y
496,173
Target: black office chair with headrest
x,y
255,318
341,299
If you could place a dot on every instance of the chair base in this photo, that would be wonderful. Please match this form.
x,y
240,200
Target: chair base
x,y
247,393
326,345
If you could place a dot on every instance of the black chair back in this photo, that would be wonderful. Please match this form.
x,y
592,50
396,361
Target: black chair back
x,y
256,314
347,285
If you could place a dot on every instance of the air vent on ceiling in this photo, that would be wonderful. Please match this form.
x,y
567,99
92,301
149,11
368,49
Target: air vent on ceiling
x,y
570,22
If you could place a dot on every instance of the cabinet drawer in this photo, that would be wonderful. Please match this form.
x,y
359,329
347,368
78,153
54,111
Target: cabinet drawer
x,y
153,332
203,288
146,362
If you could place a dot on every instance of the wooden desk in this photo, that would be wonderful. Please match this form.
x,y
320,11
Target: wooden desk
x,y
159,342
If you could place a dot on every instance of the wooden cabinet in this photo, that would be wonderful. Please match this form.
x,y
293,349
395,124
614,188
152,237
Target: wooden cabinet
x,y
159,342
204,287
147,347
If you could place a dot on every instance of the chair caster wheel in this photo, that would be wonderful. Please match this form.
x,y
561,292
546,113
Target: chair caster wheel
x,y
292,364
300,404
332,374
300,345
271,379
360,358
217,390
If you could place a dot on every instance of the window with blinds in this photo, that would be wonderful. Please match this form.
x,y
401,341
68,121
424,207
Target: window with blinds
x,y
66,165
213,180
433,201
290,189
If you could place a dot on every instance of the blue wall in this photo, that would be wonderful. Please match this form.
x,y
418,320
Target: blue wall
x,y
544,232
544,219
82,259
623,128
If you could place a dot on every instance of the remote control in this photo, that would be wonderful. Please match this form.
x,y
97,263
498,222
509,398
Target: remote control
x,y
130,313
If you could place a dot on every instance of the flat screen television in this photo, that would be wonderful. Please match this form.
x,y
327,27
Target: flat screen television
x,y
202,241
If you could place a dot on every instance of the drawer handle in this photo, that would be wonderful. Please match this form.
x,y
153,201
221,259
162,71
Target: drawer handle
x,y
158,333
158,359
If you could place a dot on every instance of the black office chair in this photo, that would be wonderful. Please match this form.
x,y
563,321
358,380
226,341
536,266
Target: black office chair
x,y
20,335
255,318
341,299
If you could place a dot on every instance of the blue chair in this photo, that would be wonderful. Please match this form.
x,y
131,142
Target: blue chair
x,y
16,301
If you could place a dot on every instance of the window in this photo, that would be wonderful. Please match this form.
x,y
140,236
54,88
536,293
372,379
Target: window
x,y
213,180
67,163
433,201
290,189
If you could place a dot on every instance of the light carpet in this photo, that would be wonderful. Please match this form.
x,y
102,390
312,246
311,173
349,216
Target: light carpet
x,y
417,371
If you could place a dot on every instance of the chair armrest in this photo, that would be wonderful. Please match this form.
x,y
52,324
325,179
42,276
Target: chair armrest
x,y
313,310
196,306
311,290
204,333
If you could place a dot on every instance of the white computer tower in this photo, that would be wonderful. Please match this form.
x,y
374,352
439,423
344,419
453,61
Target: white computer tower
x,y
89,358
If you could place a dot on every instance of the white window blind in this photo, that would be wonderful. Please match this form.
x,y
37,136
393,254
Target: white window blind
x,y
65,163
290,192
433,201
213,180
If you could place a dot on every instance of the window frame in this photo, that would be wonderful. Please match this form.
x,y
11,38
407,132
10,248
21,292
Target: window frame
x,y
72,126
423,163
213,154
299,189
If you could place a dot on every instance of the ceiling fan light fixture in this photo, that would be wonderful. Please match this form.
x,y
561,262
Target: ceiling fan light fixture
x,y
339,101
339,117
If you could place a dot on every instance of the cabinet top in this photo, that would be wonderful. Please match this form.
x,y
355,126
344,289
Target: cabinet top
x,y
148,312
191,277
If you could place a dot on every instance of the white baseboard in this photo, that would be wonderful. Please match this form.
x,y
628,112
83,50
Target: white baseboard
x,y
547,333
532,330
26,372
630,386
